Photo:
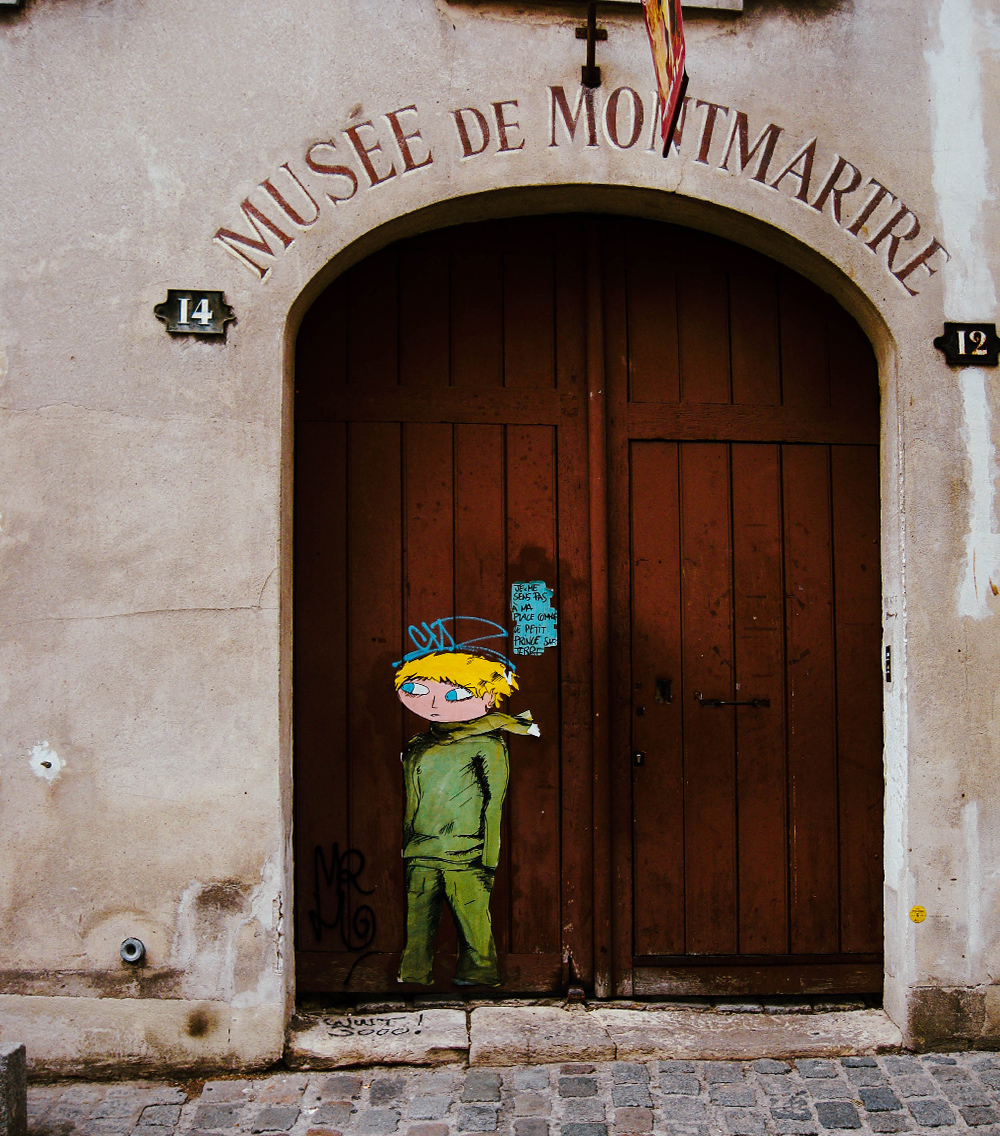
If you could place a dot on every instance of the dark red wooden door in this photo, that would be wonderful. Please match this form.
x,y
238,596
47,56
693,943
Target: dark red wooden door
x,y
748,421
442,440
440,456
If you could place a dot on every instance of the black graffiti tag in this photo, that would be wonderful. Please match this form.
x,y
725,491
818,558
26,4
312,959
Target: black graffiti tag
x,y
357,931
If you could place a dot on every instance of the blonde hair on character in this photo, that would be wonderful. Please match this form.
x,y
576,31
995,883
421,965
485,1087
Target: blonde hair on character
x,y
477,673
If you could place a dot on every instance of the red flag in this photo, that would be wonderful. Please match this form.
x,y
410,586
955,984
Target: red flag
x,y
666,38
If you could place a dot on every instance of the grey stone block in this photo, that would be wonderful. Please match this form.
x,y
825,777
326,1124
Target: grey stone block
x,y
831,1090
160,1114
675,1067
766,1065
337,1086
837,1114
910,1086
531,1126
575,1070
889,1122
896,1065
333,1113
584,1109
477,1118
684,1109
481,1085
428,1108
949,1073
679,1083
931,1113
879,1098
938,1059
531,1079
386,1089
274,1118
584,1130
637,1095
578,1086
532,1104
866,1076
733,1096
377,1121
13,1090
224,1115
990,1077
964,1092
814,1067
110,1126
629,1073
745,1122
116,1108
717,1072
859,1062
795,1108
975,1115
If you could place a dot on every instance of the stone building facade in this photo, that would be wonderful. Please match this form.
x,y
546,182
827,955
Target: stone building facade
x,y
147,495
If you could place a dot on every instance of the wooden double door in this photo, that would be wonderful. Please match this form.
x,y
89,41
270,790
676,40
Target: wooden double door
x,y
680,437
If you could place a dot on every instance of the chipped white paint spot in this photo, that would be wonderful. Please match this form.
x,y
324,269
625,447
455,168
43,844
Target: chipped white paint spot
x,y
973,894
962,185
45,762
207,940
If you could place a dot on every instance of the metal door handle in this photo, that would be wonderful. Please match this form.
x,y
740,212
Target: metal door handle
x,y
756,703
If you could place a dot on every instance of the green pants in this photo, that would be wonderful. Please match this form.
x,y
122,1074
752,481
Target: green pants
x,y
467,892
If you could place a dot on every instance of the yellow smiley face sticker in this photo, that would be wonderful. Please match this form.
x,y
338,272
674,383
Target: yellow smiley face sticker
x,y
918,914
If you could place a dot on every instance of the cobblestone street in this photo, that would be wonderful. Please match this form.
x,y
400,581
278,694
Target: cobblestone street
x,y
931,1093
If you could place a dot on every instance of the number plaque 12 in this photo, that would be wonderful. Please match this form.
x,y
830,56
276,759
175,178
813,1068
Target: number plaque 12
x,y
970,344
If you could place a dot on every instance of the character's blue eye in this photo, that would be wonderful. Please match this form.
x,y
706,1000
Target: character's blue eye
x,y
459,694
413,688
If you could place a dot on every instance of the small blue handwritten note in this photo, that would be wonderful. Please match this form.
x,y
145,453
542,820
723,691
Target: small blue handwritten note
x,y
535,618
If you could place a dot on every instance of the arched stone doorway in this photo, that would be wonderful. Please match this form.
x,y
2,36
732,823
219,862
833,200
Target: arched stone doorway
x,y
680,437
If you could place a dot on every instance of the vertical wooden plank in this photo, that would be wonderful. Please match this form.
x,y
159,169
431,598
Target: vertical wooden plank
x,y
597,462
428,525
533,797
859,693
576,712
617,707
653,364
375,623
853,369
709,766
321,353
812,765
658,784
477,307
753,306
481,581
320,671
529,307
424,333
805,370
703,326
760,673
428,559
373,320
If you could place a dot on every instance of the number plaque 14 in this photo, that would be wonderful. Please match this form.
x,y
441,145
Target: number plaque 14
x,y
193,312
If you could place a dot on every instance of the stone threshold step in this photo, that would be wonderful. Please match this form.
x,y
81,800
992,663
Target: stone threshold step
x,y
523,1035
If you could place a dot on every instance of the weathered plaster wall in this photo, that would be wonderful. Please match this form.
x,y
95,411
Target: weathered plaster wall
x,y
143,546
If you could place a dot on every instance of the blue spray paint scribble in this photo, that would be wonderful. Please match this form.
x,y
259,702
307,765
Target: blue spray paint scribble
x,y
440,636
535,618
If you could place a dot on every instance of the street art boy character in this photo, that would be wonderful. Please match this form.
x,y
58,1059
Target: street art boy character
x,y
456,777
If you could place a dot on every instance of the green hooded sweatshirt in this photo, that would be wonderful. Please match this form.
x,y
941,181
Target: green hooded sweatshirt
x,y
456,777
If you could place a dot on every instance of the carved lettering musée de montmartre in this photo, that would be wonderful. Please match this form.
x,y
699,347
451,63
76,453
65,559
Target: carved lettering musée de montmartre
x,y
369,154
